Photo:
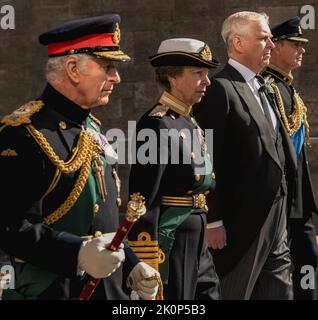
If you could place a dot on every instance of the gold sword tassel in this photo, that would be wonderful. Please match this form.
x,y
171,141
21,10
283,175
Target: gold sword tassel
x,y
98,169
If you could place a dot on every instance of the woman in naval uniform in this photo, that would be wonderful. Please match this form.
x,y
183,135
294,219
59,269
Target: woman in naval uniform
x,y
174,173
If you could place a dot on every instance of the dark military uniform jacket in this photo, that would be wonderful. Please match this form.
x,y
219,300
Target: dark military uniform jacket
x,y
51,199
286,97
170,236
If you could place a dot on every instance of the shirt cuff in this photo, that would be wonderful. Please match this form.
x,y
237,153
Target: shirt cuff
x,y
215,224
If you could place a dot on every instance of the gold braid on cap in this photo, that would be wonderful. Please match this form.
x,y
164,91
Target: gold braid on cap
x,y
87,150
116,36
293,122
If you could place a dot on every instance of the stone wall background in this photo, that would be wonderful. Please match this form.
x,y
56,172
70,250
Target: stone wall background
x,y
145,23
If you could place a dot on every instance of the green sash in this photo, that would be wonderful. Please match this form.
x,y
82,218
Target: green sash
x,y
173,217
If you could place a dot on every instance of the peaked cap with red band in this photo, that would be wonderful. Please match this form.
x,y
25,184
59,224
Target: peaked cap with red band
x,y
99,36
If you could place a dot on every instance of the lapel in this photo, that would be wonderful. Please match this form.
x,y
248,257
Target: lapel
x,y
246,94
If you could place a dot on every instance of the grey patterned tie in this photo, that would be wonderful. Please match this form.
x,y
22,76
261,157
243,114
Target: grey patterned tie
x,y
262,97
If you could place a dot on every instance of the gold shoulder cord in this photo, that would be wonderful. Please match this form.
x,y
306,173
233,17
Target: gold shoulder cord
x,y
86,150
293,122
84,145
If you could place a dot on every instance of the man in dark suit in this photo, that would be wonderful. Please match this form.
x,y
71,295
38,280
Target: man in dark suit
x,y
286,57
254,165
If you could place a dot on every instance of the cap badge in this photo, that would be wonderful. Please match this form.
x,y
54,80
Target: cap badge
x,y
116,36
205,53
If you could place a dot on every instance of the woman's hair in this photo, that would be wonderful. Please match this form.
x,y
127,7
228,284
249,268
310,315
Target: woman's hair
x,y
162,74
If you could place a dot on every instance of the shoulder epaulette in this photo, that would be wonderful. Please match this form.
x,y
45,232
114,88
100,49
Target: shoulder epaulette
x,y
158,111
23,114
95,119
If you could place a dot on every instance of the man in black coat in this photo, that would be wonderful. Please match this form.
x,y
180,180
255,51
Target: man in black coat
x,y
286,57
59,204
254,165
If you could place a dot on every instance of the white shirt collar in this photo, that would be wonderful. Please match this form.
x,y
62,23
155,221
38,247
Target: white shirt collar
x,y
246,73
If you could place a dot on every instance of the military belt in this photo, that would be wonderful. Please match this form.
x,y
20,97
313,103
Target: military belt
x,y
197,201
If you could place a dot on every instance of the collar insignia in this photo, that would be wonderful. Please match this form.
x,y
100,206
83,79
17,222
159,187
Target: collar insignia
x,y
9,153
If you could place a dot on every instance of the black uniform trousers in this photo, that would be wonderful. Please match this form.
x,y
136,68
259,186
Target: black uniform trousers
x,y
196,274
302,238
304,252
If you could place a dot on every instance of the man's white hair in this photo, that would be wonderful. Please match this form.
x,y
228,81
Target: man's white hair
x,y
236,24
55,66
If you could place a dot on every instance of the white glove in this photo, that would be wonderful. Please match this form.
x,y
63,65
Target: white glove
x,y
145,289
134,295
95,259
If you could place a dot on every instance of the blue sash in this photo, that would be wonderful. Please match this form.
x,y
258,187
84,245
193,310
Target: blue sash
x,y
298,139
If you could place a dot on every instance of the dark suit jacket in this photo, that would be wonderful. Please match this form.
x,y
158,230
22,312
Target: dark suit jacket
x,y
245,161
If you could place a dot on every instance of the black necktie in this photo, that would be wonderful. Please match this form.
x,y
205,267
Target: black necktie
x,y
262,97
